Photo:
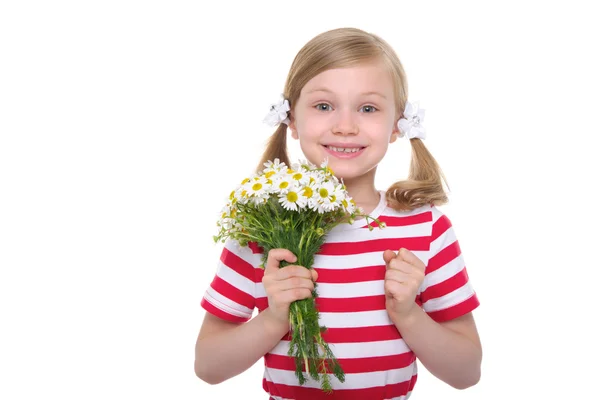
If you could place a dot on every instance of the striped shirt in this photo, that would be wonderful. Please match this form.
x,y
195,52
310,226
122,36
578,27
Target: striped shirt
x,y
376,361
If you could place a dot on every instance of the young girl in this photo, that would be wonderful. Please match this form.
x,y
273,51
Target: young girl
x,y
387,296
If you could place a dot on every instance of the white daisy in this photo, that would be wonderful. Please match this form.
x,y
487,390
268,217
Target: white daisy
x,y
325,162
256,187
303,165
349,205
309,192
241,195
337,196
317,206
283,184
257,200
299,175
325,190
256,190
292,200
248,179
274,166
225,221
320,201
274,170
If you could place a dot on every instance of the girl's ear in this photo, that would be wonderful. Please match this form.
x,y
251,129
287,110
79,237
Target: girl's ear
x,y
292,126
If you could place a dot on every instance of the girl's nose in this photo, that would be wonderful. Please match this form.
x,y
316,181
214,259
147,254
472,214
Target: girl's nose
x,y
345,123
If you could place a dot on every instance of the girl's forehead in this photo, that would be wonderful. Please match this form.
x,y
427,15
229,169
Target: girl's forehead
x,y
362,78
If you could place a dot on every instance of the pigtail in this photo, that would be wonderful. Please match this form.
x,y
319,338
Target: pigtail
x,y
276,148
424,184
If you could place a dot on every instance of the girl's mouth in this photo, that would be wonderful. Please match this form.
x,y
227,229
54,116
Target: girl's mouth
x,y
344,152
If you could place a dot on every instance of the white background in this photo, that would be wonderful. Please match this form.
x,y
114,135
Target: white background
x,y
124,125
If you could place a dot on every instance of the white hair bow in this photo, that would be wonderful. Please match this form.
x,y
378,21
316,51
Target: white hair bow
x,y
410,125
278,113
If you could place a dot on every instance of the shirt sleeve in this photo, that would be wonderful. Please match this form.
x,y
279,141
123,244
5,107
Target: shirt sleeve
x,y
447,292
231,294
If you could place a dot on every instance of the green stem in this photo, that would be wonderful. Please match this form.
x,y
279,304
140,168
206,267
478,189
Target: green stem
x,y
306,343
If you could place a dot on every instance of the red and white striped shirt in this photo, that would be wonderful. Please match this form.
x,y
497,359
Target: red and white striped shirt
x,y
351,302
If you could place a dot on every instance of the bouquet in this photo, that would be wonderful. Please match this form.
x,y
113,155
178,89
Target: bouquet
x,y
293,208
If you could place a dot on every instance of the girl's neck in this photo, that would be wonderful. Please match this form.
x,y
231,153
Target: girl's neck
x,y
364,194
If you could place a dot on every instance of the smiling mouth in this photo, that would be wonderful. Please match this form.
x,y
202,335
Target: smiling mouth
x,y
344,149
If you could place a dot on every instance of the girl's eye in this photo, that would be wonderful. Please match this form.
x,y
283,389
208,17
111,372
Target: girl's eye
x,y
323,107
369,109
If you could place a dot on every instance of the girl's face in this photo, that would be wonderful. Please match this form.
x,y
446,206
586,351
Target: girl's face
x,y
348,116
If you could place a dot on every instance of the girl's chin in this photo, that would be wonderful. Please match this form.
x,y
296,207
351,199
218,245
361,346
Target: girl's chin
x,y
350,172
344,173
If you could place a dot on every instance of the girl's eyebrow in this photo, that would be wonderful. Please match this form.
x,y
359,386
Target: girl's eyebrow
x,y
362,94
374,93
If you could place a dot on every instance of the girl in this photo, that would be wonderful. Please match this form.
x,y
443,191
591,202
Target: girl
x,y
346,92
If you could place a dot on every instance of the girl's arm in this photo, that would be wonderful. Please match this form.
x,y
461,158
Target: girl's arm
x,y
449,350
225,349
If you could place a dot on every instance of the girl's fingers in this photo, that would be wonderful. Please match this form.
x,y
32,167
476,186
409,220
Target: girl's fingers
x,y
403,256
296,282
388,256
412,259
397,276
296,294
285,297
409,257
400,277
391,286
291,271
402,266
275,257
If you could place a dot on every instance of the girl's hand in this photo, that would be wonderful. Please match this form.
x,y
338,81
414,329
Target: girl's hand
x,y
403,277
285,285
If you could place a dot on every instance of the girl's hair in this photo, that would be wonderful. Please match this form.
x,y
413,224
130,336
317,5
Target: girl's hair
x,y
345,47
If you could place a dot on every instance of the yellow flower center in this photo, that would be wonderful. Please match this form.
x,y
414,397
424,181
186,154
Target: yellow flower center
x,y
297,176
257,186
308,192
292,197
345,203
333,198
269,174
244,193
312,180
323,193
232,195
290,171
284,184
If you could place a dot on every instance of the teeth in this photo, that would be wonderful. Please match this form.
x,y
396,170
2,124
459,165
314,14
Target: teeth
x,y
344,149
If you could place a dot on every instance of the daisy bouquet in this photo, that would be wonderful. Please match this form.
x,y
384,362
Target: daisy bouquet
x,y
293,208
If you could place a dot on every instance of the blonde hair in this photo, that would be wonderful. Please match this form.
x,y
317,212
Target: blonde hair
x,y
345,47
